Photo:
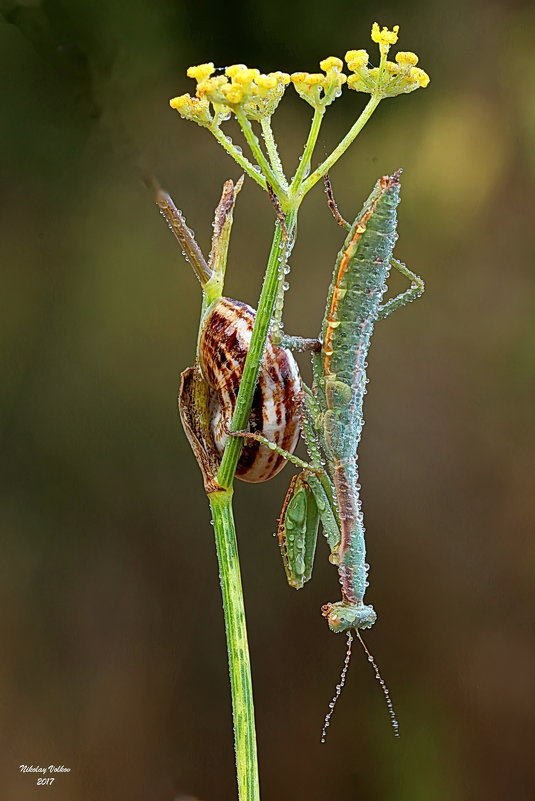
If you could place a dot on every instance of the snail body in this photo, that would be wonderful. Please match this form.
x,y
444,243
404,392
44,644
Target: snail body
x,y
224,341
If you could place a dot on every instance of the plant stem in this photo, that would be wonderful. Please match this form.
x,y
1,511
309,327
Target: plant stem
x,y
244,162
273,153
240,418
254,145
312,138
237,646
325,166
225,536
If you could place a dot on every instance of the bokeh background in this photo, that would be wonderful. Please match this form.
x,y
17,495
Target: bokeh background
x,y
113,655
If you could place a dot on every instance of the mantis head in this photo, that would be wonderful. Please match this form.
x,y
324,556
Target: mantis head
x,y
342,616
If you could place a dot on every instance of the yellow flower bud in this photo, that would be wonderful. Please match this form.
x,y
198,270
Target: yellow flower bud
x,y
356,59
332,62
192,108
245,76
179,102
201,71
314,79
281,77
420,76
384,36
234,69
210,85
232,92
407,59
266,81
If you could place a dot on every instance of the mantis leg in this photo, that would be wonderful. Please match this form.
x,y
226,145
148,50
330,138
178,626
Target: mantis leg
x,y
300,344
331,202
415,290
307,502
308,431
297,531
319,480
323,494
274,447
310,496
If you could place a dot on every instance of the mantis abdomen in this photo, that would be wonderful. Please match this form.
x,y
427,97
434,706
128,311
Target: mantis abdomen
x,y
355,295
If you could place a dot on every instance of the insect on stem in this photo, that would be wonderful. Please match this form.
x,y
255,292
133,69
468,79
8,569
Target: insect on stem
x,y
384,688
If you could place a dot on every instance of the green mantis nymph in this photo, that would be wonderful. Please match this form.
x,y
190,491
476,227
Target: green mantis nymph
x,y
327,489
332,418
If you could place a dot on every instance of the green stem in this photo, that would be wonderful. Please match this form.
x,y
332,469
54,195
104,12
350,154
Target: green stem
x,y
252,140
244,162
312,138
227,549
237,646
273,153
240,418
325,166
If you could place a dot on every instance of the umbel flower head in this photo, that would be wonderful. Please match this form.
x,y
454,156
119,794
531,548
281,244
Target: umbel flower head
x,y
240,89
320,90
256,95
390,78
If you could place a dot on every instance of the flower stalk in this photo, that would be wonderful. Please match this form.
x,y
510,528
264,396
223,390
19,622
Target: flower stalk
x,y
237,646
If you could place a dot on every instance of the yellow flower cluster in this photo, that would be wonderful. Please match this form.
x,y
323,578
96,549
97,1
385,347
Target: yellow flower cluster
x,y
390,78
239,89
257,95
317,89
191,108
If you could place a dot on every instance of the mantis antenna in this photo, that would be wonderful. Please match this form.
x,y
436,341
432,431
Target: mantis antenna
x,y
339,687
384,688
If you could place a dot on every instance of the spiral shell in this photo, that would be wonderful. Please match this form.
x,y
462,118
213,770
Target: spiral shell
x,y
224,341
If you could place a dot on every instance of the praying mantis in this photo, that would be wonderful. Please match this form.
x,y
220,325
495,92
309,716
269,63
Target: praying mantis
x,y
331,414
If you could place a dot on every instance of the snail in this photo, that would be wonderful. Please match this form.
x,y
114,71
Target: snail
x,y
224,340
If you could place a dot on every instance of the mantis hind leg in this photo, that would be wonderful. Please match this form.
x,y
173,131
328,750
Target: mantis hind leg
x,y
415,290
331,202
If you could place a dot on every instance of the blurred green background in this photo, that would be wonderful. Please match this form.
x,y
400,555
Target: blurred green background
x,y
113,654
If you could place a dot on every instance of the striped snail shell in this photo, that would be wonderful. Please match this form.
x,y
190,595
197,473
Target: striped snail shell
x,y
223,344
